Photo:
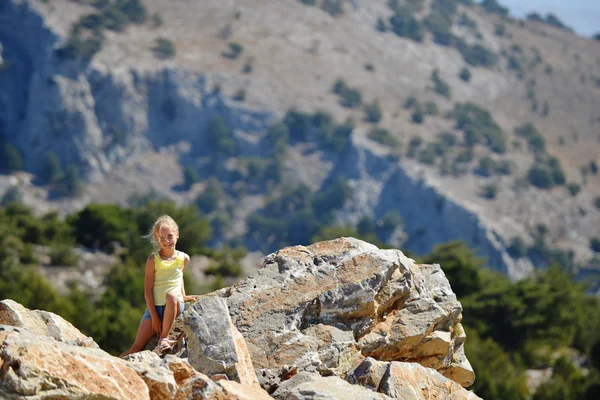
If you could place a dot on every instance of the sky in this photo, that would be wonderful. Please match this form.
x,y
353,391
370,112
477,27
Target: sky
x,y
581,15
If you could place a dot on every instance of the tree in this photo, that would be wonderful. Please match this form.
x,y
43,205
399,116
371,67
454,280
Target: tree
x,y
52,172
10,160
460,264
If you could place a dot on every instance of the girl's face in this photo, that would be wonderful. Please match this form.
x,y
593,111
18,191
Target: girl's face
x,y
167,237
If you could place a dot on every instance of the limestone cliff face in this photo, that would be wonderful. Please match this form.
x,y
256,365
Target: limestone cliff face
x,y
125,104
93,116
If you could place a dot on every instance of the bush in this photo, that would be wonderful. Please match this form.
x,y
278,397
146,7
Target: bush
x,y
465,74
373,112
517,248
220,137
440,86
597,202
212,197
476,55
163,48
404,24
11,159
595,244
235,49
52,171
240,95
418,116
349,97
489,191
383,136
573,188
479,126
492,6
535,140
333,7
190,176
440,26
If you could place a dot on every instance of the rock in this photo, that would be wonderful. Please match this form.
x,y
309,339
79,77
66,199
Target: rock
x,y
43,323
40,366
410,381
306,385
326,306
237,391
215,345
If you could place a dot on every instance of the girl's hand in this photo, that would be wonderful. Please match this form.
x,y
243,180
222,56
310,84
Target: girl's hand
x,y
190,298
156,325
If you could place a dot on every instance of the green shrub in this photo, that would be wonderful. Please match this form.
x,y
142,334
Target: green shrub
x,y
573,188
597,202
476,55
220,137
492,6
500,30
535,140
235,49
373,112
349,97
489,191
418,116
466,21
404,24
190,176
595,244
381,27
308,2
97,226
517,248
414,143
440,87
240,95
410,102
431,108
383,136
487,166
479,126
427,155
333,7
465,74
52,171
299,124
546,172
163,48
63,255
212,198
11,159
331,198
440,26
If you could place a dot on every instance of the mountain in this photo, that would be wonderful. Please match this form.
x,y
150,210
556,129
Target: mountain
x,y
275,116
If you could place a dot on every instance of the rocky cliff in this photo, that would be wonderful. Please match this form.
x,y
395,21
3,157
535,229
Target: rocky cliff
x,y
334,320
130,122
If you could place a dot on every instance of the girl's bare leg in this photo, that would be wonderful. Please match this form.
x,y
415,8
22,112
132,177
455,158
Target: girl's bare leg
x,y
143,336
171,311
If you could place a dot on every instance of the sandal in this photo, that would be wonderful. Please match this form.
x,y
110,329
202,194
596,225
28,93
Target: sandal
x,y
163,345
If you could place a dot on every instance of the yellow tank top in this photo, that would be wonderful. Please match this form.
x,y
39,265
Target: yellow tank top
x,y
167,277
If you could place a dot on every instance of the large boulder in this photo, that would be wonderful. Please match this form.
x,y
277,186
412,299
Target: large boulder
x,y
43,323
327,306
44,368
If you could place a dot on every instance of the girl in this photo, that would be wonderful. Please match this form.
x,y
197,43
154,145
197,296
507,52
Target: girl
x,y
163,287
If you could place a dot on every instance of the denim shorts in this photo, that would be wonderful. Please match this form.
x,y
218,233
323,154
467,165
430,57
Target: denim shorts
x,y
160,310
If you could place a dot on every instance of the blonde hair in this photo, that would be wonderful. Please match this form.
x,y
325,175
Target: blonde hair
x,y
163,220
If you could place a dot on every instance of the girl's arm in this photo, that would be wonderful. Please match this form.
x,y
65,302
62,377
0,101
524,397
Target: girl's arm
x,y
186,260
149,294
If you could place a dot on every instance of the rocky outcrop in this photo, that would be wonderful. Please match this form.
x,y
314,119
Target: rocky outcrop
x,y
335,320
